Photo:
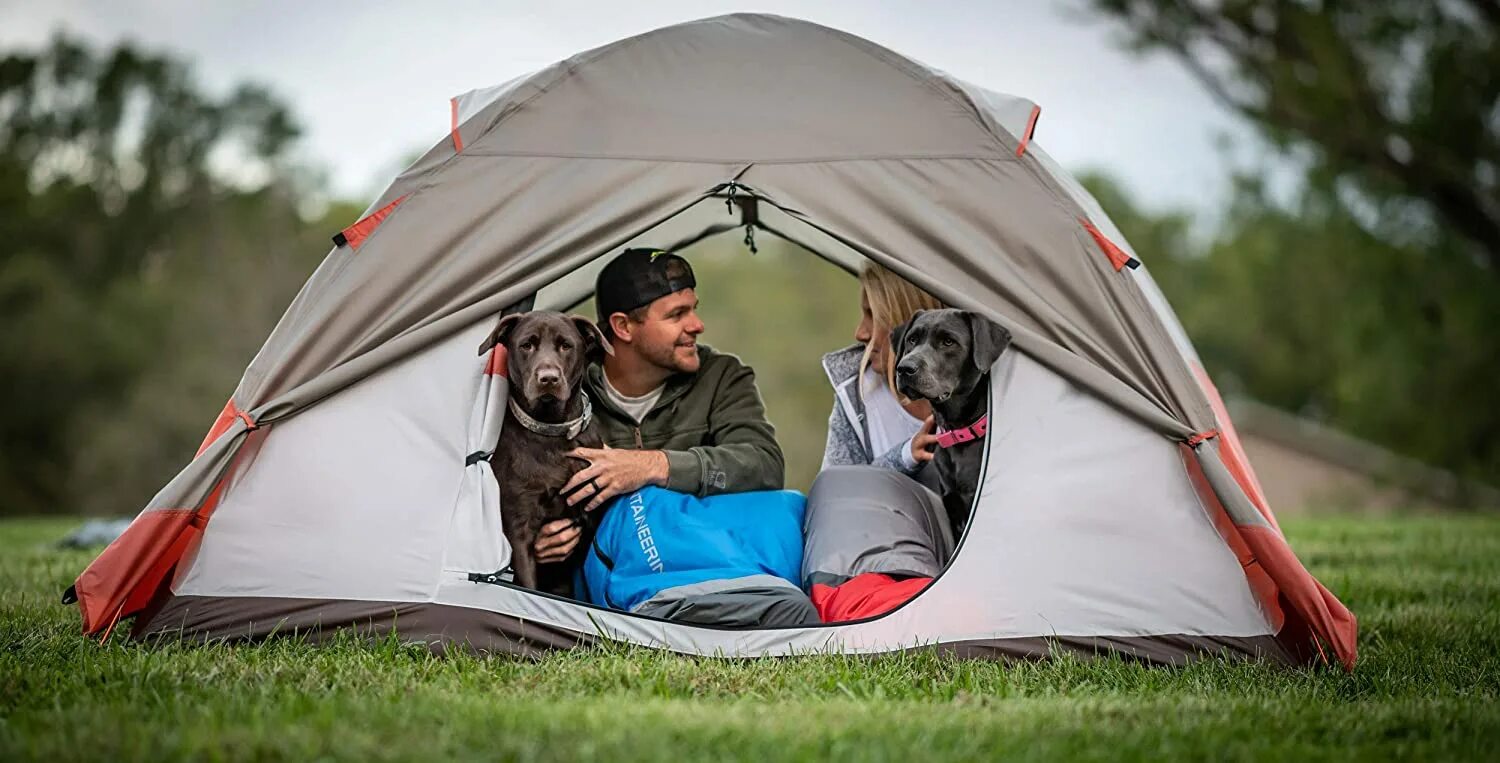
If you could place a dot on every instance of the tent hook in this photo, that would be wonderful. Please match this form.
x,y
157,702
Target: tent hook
x,y
729,196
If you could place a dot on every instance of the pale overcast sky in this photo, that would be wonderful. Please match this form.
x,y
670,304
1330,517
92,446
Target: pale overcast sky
x,y
370,81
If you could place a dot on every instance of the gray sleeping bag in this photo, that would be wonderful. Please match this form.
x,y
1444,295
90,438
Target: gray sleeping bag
x,y
866,519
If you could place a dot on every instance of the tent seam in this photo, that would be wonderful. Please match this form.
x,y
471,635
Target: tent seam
x,y
735,161
1159,329
1065,201
1103,274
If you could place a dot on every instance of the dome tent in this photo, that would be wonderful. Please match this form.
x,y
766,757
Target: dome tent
x,y
1116,510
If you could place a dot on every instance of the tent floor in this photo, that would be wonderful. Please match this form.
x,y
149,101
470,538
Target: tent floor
x,y
444,626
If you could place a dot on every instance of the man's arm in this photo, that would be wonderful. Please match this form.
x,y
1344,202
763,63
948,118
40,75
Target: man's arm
x,y
744,455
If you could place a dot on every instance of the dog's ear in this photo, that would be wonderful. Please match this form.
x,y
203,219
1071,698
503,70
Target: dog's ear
x,y
898,336
595,346
987,340
501,332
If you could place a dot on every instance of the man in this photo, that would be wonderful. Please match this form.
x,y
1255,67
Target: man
x,y
671,412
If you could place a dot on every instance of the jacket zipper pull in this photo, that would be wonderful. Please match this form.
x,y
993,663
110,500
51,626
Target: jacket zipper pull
x,y
638,444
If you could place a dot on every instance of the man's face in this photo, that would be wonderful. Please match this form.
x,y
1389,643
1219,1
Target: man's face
x,y
668,337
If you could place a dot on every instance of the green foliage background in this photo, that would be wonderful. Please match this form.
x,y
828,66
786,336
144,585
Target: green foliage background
x,y
136,281
1370,299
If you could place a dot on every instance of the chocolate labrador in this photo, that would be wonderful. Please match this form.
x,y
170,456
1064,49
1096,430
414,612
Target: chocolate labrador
x,y
944,357
548,416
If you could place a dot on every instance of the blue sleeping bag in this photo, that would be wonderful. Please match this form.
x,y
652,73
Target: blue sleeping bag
x,y
731,559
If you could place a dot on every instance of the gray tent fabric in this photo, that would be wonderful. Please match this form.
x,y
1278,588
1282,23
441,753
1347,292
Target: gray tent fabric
x,y
845,140
573,163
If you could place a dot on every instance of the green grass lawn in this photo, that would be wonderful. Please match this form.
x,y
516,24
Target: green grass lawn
x,y
1426,590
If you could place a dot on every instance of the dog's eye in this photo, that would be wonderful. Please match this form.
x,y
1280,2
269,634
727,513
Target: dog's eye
x,y
949,343
911,340
565,346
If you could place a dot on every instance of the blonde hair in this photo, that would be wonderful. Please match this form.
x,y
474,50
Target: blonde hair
x,y
893,301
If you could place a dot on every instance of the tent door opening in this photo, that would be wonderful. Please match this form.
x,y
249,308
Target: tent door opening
x,y
747,211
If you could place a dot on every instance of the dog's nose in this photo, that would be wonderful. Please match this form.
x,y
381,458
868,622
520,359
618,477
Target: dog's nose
x,y
906,368
548,377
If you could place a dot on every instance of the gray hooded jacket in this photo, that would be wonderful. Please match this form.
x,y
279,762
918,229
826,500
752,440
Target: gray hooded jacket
x,y
848,431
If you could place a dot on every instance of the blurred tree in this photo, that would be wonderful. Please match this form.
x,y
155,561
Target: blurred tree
x,y
1395,103
1302,307
1371,299
119,187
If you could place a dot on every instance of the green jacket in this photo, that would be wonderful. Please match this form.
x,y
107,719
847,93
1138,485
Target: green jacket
x,y
712,425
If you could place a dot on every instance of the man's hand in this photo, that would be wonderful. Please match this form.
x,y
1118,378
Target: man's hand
x,y
555,541
923,442
613,472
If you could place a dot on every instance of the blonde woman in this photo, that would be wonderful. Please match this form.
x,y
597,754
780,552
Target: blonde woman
x,y
871,422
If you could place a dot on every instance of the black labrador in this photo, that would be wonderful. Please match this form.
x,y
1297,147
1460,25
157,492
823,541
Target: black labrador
x,y
944,357
548,416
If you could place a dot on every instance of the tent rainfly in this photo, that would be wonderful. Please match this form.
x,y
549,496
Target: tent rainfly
x,y
1117,512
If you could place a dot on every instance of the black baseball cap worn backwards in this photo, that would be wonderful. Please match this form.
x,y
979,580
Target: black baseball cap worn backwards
x,y
638,277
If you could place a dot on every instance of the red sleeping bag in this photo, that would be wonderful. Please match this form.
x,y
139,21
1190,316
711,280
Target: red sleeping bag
x,y
865,595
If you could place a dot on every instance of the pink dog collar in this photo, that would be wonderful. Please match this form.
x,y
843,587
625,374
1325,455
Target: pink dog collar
x,y
947,438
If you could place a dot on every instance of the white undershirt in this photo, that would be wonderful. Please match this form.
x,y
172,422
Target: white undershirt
x,y
634,407
888,422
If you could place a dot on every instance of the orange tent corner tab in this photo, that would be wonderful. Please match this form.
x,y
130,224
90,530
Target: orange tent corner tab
x,y
356,234
458,139
1036,111
1118,257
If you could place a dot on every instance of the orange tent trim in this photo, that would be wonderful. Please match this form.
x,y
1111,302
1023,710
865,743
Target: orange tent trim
x,y
458,140
1118,257
131,571
1036,111
356,234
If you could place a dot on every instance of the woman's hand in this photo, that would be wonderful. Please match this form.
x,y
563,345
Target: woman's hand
x,y
923,442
